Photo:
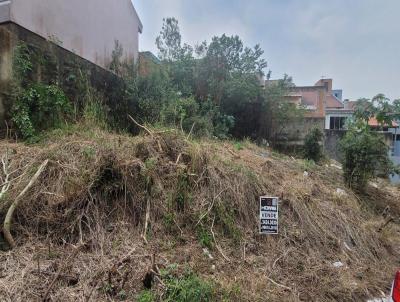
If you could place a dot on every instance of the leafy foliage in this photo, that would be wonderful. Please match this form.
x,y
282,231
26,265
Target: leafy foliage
x,y
365,155
40,107
379,107
22,63
204,236
365,152
278,113
169,41
217,80
146,296
312,146
186,288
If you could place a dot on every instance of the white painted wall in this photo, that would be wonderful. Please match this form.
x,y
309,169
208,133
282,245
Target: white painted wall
x,y
4,11
87,27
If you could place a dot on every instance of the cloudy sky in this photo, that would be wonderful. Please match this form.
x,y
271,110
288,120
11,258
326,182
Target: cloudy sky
x,y
355,42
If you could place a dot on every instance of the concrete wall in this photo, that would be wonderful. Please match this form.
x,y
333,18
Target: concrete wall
x,y
62,67
331,143
88,28
4,10
295,133
6,42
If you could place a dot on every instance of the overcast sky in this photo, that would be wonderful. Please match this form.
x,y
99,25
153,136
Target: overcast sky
x,y
355,42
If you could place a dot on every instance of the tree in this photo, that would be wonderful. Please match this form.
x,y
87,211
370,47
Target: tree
x,y
365,156
228,59
365,151
223,72
169,41
177,58
277,113
380,107
312,146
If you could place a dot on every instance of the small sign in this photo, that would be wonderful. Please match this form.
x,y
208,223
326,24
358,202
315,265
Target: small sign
x,y
269,215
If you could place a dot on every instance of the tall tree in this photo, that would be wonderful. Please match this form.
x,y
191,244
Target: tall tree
x,y
277,113
365,152
169,41
380,107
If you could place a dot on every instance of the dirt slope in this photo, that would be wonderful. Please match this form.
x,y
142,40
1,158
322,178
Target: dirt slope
x,y
79,230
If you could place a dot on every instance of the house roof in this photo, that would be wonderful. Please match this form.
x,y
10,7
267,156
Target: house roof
x,y
350,105
333,102
373,122
150,56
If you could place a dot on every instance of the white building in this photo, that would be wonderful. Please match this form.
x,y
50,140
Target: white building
x,y
89,28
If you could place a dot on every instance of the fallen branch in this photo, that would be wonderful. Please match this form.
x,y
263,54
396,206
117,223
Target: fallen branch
x,y
386,223
14,205
178,159
146,223
97,278
6,182
216,244
210,207
190,133
278,284
58,274
148,131
141,126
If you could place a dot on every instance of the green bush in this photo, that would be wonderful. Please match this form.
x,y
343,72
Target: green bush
x,y
38,108
365,155
204,237
22,62
312,147
204,120
186,288
146,296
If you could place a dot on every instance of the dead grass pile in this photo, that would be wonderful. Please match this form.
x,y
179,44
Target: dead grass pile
x,y
89,226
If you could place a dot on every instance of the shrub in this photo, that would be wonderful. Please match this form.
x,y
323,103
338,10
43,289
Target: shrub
x,y
312,147
204,237
40,107
186,288
205,119
146,296
365,156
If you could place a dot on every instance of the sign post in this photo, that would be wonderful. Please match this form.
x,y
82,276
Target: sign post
x,y
269,218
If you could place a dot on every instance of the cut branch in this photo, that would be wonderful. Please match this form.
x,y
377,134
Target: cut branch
x,y
6,182
141,126
216,243
14,205
146,223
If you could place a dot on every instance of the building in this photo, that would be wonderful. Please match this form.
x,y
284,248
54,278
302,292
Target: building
x,y
323,106
68,35
148,63
327,110
87,28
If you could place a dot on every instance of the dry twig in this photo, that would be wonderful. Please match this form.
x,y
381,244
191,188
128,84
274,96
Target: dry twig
x,y
62,267
14,205
216,243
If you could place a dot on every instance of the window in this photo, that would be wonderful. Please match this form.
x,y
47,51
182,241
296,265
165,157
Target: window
x,y
337,122
398,137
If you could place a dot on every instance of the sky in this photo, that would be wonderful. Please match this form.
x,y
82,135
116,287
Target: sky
x,y
354,42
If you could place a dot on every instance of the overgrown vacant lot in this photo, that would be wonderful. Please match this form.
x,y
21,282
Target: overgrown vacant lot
x,y
80,231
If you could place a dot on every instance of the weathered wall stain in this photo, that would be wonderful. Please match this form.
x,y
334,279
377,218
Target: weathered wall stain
x,y
60,66
89,28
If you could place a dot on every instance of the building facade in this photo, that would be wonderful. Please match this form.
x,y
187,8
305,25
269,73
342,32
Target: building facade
x,y
68,35
87,28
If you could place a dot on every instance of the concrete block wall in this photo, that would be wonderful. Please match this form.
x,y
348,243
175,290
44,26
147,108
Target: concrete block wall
x,y
63,62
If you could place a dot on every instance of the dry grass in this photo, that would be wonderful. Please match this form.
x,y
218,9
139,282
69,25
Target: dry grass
x,y
93,196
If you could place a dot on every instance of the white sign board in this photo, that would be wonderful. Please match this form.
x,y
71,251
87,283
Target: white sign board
x,y
269,217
